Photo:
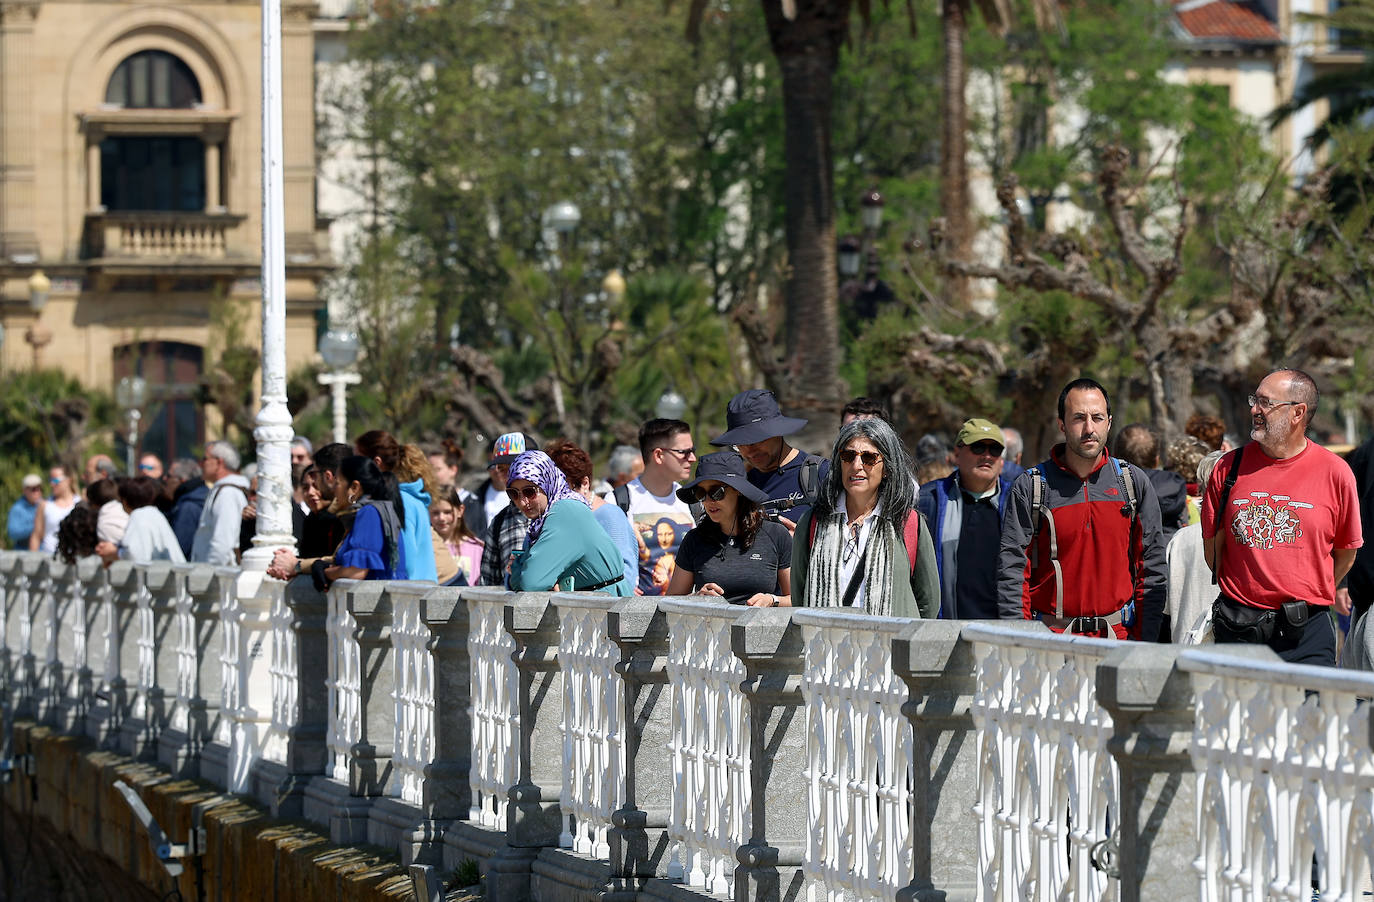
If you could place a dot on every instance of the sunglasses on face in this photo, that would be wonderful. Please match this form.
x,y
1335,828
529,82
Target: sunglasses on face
x,y
528,491
715,494
146,468
981,448
870,458
57,481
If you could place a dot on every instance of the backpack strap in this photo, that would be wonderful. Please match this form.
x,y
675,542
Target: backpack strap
x,y
1232,472
809,479
622,497
1040,511
1123,472
911,537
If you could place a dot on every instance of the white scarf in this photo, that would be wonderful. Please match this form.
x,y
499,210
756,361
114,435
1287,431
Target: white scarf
x,y
823,584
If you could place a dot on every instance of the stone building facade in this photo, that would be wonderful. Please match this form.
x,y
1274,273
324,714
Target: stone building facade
x,y
130,194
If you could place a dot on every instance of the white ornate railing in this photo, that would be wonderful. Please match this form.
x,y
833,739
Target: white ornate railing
x,y
710,746
593,739
788,746
345,681
1285,774
414,728
858,746
1047,786
495,712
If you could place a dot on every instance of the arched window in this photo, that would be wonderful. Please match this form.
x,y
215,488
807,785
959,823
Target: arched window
x,y
173,420
153,79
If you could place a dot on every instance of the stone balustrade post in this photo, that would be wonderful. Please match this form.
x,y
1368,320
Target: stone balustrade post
x,y
59,658
195,711
938,667
11,575
82,644
639,836
122,700
301,696
157,660
33,634
1151,701
533,815
441,739
769,644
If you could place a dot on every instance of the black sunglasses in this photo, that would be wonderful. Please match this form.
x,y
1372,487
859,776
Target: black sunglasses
x,y
715,494
528,491
982,448
870,458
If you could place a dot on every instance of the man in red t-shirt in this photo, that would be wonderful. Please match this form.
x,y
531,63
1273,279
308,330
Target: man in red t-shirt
x,y
1288,530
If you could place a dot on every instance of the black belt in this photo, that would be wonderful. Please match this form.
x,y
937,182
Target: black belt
x,y
600,585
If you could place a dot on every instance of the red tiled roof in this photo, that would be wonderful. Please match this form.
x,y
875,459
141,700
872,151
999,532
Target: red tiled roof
x,y
1241,20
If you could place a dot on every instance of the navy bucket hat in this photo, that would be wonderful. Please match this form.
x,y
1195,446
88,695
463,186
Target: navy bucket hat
x,y
753,416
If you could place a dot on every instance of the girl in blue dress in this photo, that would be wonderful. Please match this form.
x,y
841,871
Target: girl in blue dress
x,y
373,547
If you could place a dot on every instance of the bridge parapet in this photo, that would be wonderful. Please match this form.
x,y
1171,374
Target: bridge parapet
x,y
577,746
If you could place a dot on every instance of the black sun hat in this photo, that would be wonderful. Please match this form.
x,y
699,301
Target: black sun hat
x,y
754,416
726,467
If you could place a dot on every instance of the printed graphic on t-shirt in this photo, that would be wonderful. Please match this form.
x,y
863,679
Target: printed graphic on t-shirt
x,y
1264,520
659,534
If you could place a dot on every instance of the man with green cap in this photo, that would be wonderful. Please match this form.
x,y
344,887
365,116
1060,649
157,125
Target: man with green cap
x,y
964,511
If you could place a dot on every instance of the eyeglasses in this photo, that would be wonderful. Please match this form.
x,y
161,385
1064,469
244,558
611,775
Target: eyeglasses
x,y
684,453
870,458
1266,404
991,449
528,492
147,468
55,480
715,494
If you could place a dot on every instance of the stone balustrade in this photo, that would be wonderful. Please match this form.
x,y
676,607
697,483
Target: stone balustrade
x,y
577,746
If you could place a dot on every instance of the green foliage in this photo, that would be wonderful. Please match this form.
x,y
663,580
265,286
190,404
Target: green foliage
x,y
466,874
46,418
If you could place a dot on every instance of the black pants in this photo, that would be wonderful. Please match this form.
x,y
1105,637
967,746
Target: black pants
x,y
1314,643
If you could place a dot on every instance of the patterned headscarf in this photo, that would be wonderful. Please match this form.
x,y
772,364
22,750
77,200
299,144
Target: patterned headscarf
x,y
538,468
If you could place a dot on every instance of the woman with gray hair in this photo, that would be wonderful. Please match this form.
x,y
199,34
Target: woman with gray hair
x,y
863,544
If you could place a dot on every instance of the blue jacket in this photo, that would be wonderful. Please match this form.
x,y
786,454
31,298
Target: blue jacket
x,y
185,513
936,499
419,548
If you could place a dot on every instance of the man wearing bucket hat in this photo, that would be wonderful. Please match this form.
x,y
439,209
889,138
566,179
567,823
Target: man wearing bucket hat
x,y
734,553
964,511
790,478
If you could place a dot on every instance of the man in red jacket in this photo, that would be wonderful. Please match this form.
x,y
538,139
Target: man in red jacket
x,y
1288,529
1082,547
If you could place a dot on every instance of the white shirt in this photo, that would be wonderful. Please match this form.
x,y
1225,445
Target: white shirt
x,y
149,537
646,513
493,503
851,552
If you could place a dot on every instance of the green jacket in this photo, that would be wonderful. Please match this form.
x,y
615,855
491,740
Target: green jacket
x,y
917,593
571,545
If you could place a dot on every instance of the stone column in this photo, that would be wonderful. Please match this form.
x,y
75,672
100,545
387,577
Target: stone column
x,y
18,90
157,666
370,772
639,839
307,755
93,162
200,670
86,634
11,572
1154,843
63,663
212,174
42,632
32,633
534,818
941,675
769,645
125,586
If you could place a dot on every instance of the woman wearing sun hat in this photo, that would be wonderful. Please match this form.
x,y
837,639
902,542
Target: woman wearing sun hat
x,y
735,553
565,547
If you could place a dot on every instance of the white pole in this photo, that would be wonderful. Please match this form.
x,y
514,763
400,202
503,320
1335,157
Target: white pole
x,y
338,388
273,432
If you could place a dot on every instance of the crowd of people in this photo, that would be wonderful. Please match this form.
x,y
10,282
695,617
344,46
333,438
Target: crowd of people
x,y
1133,542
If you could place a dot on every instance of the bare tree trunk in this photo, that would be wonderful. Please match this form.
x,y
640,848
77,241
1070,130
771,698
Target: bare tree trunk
x,y
954,200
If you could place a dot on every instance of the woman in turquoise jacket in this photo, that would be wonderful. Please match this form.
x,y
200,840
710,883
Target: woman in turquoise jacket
x,y
565,548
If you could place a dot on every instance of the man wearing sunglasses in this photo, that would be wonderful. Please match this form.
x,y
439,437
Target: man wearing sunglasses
x,y
964,511
658,517
1281,529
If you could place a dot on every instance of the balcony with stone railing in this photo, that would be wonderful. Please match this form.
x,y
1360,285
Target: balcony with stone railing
x,y
161,237
576,746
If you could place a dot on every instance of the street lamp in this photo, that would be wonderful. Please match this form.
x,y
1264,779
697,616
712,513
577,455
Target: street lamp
x,y
671,405
37,336
614,286
871,210
563,217
849,257
339,348
868,293
131,394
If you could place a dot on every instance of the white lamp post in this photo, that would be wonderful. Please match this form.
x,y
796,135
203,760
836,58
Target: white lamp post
x,y
37,336
131,394
339,349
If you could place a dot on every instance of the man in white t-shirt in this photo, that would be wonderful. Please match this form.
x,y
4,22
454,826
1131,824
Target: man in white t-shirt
x,y
659,518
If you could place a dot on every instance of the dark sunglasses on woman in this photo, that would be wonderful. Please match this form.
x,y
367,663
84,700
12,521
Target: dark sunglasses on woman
x,y
716,494
528,491
870,458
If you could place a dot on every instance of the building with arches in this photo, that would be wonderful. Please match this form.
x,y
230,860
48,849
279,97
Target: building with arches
x,y
130,194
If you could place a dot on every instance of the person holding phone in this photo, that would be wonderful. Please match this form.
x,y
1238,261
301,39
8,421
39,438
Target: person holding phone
x,y
735,552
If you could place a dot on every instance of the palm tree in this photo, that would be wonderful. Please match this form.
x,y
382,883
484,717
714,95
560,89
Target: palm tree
x,y
1347,90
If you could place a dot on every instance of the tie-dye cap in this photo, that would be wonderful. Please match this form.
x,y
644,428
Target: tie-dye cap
x,y
511,445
